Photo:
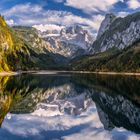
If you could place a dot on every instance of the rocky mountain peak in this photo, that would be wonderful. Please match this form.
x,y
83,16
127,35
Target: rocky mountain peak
x,y
109,18
117,32
73,30
70,41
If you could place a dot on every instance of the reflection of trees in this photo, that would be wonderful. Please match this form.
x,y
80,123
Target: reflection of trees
x,y
5,98
127,86
15,90
5,103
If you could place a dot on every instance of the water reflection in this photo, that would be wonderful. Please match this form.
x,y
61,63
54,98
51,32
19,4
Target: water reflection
x,y
69,106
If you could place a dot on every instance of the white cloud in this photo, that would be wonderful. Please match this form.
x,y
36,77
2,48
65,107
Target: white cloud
x,y
45,27
88,127
69,19
97,21
122,14
33,14
23,9
92,6
10,22
133,4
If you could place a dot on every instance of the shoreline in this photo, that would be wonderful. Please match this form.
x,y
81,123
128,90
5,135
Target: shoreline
x,y
118,73
49,72
8,73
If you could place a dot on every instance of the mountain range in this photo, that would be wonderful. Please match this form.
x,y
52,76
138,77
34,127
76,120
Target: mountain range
x,y
69,41
116,47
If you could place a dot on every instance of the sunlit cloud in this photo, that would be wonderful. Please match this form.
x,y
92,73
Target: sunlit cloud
x,y
87,13
133,4
92,6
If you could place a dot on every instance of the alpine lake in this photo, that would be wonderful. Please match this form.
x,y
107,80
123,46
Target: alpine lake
x,y
69,106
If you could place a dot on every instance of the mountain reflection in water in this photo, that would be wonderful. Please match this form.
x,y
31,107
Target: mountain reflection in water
x,y
69,106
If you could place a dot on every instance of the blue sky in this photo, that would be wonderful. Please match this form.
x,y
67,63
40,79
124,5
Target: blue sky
x,y
88,13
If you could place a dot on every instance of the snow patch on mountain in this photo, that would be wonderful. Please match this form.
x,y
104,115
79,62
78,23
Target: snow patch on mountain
x,y
67,41
71,106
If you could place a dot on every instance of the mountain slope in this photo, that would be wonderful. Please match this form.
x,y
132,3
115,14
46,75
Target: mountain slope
x,y
127,60
13,50
40,49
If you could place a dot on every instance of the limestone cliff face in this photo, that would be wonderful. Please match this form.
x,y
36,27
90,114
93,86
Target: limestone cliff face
x,y
117,33
109,18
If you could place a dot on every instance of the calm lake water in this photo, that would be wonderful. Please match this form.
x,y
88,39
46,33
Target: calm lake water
x,y
69,107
